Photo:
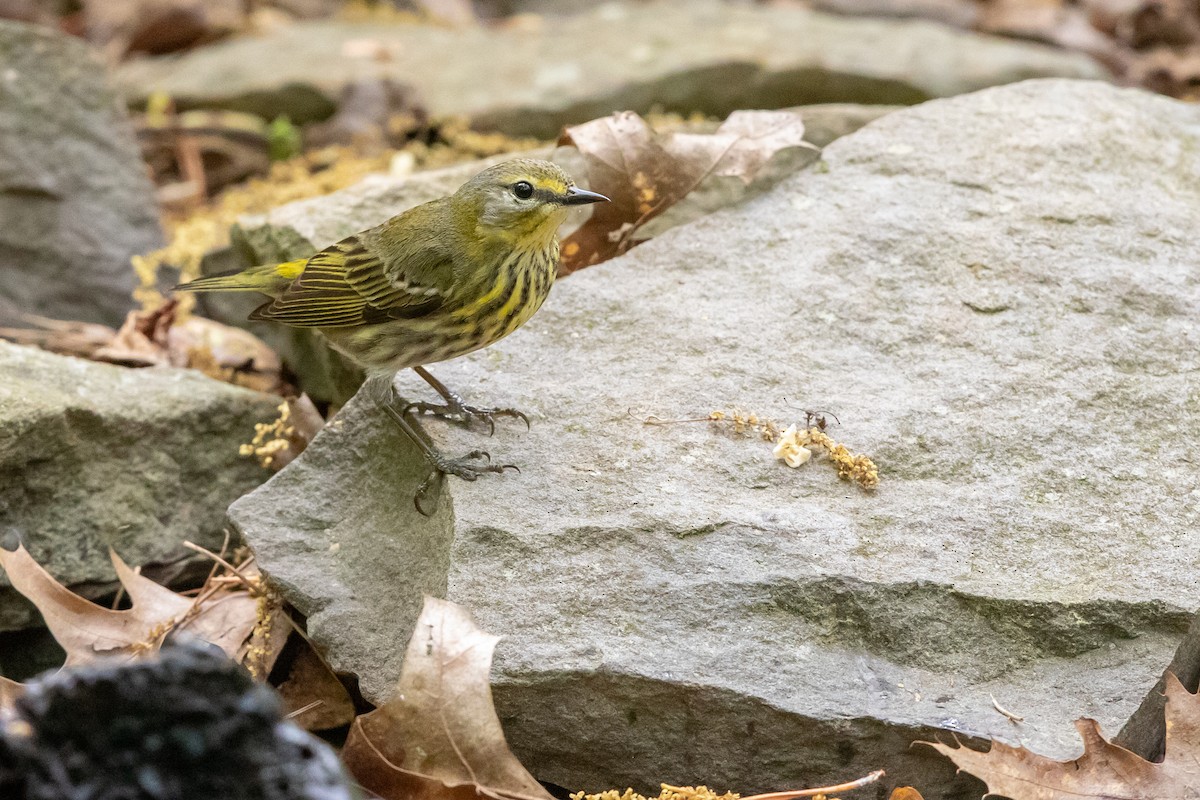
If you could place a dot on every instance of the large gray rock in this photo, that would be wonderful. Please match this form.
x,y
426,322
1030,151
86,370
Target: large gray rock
x,y
74,195
997,296
688,56
94,456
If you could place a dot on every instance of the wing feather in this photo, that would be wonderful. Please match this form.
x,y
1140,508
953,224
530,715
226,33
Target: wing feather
x,y
344,284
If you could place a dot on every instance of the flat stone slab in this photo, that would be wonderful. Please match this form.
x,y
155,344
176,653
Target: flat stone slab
x,y
94,456
996,295
685,56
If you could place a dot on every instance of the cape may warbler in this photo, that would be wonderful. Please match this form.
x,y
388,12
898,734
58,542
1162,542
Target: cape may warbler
x,y
438,281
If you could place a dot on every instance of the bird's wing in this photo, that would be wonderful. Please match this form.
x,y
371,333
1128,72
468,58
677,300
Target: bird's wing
x,y
346,284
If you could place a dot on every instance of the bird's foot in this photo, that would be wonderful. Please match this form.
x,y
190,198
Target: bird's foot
x,y
456,410
470,467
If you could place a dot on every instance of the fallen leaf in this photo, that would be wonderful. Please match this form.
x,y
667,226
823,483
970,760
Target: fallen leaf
x,y
79,339
311,685
220,614
644,173
159,26
439,736
141,339
225,353
1105,771
160,338
1170,71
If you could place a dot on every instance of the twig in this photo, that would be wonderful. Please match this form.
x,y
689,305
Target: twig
x,y
216,564
1005,712
246,581
191,165
657,420
302,709
841,787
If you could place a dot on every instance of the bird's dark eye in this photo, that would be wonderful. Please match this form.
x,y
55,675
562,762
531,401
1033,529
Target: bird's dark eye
x,y
523,189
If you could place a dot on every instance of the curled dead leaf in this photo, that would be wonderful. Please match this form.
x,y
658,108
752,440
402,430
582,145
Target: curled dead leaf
x,y
439,736
644,173
313,696
160,338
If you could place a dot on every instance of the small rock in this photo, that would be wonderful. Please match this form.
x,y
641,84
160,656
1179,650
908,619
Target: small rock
x,y
187,723
94,456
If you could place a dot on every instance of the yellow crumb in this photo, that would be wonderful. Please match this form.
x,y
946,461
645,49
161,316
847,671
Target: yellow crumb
x,y
270,438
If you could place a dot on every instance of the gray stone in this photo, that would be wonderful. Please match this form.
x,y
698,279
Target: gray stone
x,y
94,456
368,535
828,121
74,195
686,56
997,296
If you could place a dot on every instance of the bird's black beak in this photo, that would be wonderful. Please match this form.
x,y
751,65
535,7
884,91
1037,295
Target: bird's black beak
x,y
581,197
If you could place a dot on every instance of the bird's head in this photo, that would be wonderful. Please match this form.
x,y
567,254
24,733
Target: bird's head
x,y
522,201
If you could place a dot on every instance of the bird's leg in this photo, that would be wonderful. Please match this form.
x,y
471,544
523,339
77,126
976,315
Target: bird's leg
x,y
469,467
456,409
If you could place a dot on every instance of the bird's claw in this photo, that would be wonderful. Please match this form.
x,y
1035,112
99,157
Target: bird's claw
x,y
465,467
465,414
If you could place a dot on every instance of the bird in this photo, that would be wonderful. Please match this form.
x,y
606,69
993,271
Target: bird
x,y
435,282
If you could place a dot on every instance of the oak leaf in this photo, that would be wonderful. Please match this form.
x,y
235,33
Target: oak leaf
x,y
1105,771
439,736
221,615
644,173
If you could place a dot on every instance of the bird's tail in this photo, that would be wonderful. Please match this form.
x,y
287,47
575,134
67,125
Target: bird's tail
x,y
269,279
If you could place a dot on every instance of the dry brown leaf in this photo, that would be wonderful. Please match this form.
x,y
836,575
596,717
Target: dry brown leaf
x,y
225,353
159,338
1170,71
221,615
80,339
311,685
644,173
1036,19
141,340
1105,771
439,736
